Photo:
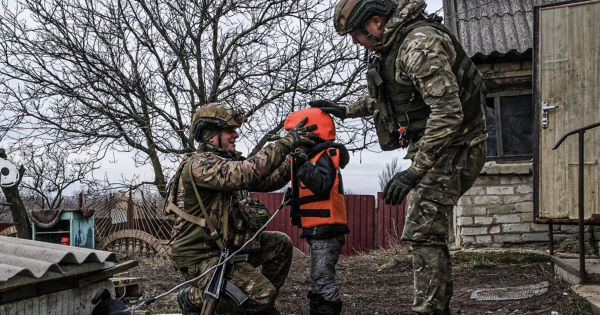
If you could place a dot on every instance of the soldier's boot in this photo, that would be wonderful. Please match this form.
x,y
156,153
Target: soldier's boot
x,y
270,311
319,306
313,302
187,307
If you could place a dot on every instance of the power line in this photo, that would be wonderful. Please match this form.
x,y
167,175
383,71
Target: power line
x,y
473,8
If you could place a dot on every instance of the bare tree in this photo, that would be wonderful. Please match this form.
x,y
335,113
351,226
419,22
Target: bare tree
x,y
51,171
125,75
16,205
388,172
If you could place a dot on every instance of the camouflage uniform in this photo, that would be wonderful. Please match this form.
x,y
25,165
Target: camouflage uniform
x,y
222,179
447,140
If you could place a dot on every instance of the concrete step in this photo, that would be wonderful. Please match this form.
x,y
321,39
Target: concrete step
x,y
590,293
568,269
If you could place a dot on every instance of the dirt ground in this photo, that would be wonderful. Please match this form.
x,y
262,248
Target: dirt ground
x,y
381,283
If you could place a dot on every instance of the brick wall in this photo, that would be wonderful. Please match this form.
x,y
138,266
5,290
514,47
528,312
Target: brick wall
x,y
498,209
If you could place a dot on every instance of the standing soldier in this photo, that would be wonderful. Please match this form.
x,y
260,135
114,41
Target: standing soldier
x,y
425,94
214,217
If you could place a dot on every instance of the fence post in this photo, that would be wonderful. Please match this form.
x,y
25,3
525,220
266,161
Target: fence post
x,y
130,210
376,221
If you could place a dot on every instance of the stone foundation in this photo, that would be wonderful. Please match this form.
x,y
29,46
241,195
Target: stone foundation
x,y
498,211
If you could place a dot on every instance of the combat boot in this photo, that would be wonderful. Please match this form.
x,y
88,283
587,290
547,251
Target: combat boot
x,y
187,307
319,306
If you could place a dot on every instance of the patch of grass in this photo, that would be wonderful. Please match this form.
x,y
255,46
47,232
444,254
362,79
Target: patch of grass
x,y
582,308
483,260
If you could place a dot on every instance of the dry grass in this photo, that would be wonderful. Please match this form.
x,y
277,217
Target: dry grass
x,y
380,282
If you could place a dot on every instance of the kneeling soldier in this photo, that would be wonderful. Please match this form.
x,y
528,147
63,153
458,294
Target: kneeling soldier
x,y
213,217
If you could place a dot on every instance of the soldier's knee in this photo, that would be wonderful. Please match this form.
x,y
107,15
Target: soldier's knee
x,y
283,241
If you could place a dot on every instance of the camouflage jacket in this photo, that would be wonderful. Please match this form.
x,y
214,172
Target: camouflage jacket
x,y
426,57
222,179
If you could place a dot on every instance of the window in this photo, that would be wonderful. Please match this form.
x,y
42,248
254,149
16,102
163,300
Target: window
x,y
510,125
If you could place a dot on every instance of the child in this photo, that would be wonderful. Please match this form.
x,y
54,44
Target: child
x,y
318,206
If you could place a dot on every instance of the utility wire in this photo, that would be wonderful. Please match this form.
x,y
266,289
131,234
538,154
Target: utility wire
x,y
473,8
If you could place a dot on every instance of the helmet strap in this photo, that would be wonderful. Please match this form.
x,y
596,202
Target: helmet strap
x,y
369,35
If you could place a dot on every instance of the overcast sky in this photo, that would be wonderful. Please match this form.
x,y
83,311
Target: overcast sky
x,y
360,176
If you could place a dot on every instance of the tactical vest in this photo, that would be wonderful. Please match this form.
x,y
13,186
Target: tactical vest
x,y
400,104
310,210
227,226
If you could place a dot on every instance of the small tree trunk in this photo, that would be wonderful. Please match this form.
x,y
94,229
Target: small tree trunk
x,y
17,208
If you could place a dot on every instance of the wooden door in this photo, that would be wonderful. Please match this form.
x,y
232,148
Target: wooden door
x,y
567,70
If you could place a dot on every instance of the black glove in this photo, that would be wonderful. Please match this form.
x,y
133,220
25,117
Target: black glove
x,y
400,185
299,156
330,108
301,135
287,197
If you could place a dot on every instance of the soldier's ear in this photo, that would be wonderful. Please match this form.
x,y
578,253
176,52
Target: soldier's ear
x,y
378,22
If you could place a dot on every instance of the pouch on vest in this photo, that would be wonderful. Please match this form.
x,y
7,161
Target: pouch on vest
x,y
385,122
386,126
254,213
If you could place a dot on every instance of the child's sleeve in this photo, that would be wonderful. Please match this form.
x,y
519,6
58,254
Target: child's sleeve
x,y
318,177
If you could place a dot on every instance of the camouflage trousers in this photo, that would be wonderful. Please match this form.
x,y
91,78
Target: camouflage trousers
x,y
324,255
430,205
262,286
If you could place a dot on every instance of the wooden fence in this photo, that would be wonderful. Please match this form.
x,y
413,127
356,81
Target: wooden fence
x,y
370,227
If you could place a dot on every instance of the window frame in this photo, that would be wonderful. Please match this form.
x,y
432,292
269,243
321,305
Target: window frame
x,y
498,121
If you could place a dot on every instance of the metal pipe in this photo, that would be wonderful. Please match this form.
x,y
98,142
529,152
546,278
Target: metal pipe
x,y
551,237
582,273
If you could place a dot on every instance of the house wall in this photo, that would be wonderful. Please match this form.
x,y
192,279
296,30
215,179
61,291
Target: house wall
x,y
76,301
498,212
498,209
504,76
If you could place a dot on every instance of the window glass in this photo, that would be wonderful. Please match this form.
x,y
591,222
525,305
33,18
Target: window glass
x,y
490,117
516,119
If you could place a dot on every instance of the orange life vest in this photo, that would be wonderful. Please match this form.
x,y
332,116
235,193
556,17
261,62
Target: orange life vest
x,y
313,210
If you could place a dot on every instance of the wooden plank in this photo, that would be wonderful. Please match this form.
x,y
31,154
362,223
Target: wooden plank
x,y
554,53
43,300
108,272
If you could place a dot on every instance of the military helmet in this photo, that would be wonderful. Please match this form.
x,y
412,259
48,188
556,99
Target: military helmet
x,y
215,116
352,14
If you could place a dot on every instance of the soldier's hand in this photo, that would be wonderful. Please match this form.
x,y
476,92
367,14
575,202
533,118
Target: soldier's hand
x,y
300,157
330,108
400,185
302,135
287,197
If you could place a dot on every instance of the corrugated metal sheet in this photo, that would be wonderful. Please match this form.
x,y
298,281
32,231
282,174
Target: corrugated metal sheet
x,y
33,259
390,221
498,28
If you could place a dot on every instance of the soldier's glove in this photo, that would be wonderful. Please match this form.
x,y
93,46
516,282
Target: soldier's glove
x,y
400,185
299,156
330,108
287,197
301,135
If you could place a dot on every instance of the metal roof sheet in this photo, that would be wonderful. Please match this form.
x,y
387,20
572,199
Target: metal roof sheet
x,y
499,27
34,259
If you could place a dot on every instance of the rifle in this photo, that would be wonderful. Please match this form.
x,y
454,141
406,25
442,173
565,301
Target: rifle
x,y
219,283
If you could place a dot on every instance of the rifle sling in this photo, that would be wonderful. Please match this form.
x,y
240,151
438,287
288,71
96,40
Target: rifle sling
x,y
213,232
